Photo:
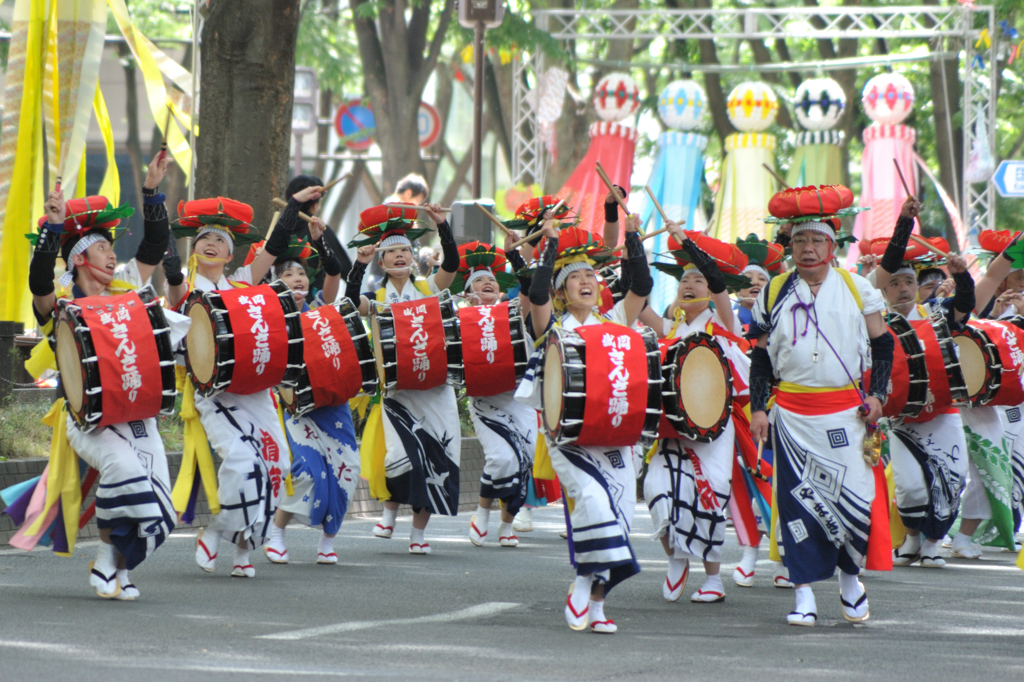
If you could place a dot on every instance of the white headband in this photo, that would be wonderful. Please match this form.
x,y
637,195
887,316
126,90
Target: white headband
x,y
755,267
814,226
477,274
905,271
394,240
79,248
213,229
564,273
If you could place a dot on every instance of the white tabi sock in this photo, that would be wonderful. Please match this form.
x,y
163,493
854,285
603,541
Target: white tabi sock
x,y
713,583
805,602
676,567
961,540
911,545
325,546
930,548
276,535
483,517
596,611
849,586
749,560
106,559
241,556
581,592
416,536
389,518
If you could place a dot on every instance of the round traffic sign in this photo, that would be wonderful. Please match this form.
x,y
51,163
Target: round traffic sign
x,y
428,123
353,121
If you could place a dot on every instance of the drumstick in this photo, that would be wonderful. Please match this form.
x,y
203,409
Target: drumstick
x,y
902,179
497,223
757,464
282,203
657,205
775,175
163,143
273,224
611,188
928,245
644,238
539,233
414,206
334,182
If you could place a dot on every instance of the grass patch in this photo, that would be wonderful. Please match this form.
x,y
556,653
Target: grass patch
x,y
22,434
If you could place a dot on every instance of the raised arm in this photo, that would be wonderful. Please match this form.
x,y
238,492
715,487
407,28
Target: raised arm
x,y
157,230
540,287
997,271
611,217
450,261
279,240
354,281
640,281
708,268
328,260
897,248
44,258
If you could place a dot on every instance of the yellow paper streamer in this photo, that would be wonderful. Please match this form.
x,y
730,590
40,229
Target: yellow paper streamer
x,y
371,455
111,187
62,480
196,454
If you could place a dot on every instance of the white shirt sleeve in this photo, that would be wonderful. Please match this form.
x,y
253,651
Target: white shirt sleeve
x,y
130,274
869,295
242,274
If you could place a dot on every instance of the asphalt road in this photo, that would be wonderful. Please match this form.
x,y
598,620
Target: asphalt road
x,y
471,613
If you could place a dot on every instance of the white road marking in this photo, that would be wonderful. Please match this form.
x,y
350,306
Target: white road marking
x,y
478,611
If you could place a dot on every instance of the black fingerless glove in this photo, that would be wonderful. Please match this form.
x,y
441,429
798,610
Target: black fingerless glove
x,y
540,287
762,376
328,261
782,239
706,265
354,281
897,248
882,348
641,281
963,296
172,265
449,251
44,260
285,228
157,232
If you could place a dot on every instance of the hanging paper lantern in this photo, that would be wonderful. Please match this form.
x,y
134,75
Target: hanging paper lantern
x,y
616,97
752,107
682,105
888,98
819,103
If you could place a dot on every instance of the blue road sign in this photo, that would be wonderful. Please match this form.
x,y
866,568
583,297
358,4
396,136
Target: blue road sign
x,y
1009,179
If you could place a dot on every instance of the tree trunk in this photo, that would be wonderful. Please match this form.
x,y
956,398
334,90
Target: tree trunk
x,y
248,80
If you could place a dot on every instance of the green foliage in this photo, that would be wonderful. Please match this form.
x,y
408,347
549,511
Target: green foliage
x,y
157,18
22,434
327,42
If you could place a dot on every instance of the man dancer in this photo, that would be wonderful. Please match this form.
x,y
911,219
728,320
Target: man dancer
x,y
813,328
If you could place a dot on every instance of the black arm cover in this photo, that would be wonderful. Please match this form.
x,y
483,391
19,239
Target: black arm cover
x,y
328,261
515,259
641,281
611,210
963,295
761,379
449,251
40,270
707,267
881,365
172,265
157,231
540,287
897,248
285,228
354,281
783,239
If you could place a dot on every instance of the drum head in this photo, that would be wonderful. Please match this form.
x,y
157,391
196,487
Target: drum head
x,y
972,363
69,364
378,351
201,344
702,368
552,387
287,396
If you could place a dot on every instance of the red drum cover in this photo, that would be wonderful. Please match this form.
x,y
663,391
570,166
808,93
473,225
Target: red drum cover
x,y
261,338
1009,339
617,386
330,355
129,362
420,344
938,382
487,355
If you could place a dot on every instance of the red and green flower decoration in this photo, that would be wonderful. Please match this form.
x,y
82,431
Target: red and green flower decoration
x,y
822,203
89,213
475,256
233,216
380,222
994,242
530,212
728,257
768,255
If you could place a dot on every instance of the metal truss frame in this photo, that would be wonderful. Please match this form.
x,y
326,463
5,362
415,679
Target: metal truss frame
x,y
977,201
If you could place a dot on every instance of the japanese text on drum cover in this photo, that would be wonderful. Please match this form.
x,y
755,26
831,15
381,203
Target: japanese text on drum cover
x,y
618,402
419,339
260,330
131,378
331,347
488,344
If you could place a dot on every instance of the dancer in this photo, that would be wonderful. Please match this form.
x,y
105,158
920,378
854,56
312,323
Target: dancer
x,y
245,430
134,513
688,483
507,429
412,439
600,482
825,488
928,454
325,455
